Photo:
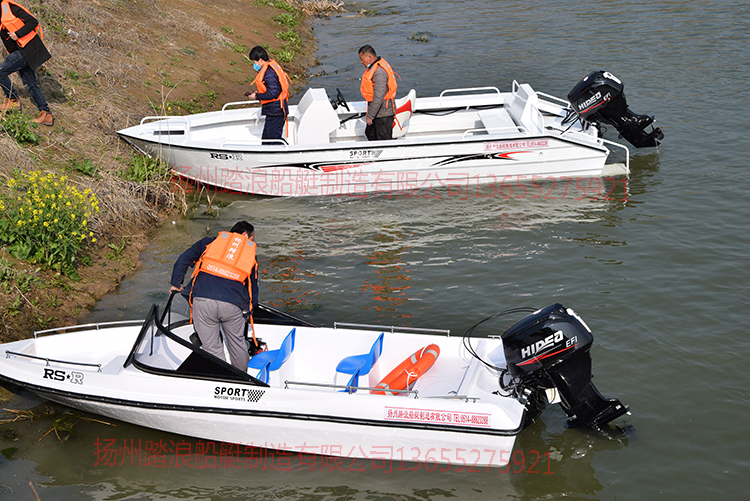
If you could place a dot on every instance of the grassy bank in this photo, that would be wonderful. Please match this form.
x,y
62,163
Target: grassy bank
x,y
113,63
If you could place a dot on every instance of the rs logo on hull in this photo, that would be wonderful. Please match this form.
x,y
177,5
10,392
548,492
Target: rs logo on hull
x,y
61,375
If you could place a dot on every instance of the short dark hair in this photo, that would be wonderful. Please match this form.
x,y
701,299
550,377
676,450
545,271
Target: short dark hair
x,y
367,49
243,227
257,53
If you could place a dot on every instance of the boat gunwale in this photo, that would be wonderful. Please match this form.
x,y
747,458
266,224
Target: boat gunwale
x,y
394,144
219,118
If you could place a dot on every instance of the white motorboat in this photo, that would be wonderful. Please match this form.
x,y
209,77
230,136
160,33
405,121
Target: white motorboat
x,y
461,139
458,400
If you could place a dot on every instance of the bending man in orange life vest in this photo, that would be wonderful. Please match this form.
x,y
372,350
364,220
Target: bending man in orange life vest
x,y
379,90
23,39
273,92
224,289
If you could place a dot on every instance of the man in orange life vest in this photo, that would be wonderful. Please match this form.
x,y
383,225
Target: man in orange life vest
x,y
379,89
273,92
224,289
23,39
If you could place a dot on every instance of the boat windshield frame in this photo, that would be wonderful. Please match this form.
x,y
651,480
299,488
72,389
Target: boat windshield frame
x,y
211,367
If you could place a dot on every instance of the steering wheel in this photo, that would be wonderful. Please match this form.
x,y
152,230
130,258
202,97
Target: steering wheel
x,y
340,101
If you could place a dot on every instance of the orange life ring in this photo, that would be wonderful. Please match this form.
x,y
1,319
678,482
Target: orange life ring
x,y
409,371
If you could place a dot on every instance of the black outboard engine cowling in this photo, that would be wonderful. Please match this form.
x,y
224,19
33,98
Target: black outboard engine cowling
x,y
550,348
599,98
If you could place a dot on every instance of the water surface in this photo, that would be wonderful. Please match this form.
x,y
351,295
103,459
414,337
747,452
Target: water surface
x,y
662,277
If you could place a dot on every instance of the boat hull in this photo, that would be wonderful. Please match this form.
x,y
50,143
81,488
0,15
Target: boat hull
x,y
454,142
452,417
327,436
386,169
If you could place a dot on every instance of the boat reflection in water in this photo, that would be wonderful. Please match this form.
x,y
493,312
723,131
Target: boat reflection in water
x,y
395,250
110,459
390,285
323,257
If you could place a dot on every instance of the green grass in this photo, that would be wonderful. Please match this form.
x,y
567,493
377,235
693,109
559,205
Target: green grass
x,y
287,19
84,166
279,4
19,127
143,169
238,47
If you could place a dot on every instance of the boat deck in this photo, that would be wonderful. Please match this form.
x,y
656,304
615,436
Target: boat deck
x,y
455,115
311,366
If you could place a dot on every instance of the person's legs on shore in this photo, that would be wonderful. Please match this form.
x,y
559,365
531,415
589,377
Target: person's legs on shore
x,y
13,63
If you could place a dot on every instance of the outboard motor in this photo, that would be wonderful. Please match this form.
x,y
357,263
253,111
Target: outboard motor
x,y
598,98
550,349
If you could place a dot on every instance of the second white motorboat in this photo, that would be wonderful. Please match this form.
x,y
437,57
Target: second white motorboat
x,y
393,394
459,140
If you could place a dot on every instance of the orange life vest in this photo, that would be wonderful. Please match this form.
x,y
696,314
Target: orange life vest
x,y
230,255
10,22
284,81
367,88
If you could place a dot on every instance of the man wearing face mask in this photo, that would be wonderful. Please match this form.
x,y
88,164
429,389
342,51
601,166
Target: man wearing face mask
x,y
273,93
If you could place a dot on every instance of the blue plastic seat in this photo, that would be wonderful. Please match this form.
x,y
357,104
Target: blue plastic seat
x,y
360,365
268,361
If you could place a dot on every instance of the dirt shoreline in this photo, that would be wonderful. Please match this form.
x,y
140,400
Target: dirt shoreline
x,y
113,63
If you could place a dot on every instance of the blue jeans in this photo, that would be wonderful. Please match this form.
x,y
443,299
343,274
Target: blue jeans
x,y
15,62
274,128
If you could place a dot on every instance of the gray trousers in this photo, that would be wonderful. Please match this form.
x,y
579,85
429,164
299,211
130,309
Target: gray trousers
x,y
208,316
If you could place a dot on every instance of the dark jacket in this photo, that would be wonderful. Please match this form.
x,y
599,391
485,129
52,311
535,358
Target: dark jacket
x,y
35,53
211,286
273,90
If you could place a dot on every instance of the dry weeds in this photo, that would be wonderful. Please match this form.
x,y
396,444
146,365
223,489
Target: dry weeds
x,y
319,8
121,60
